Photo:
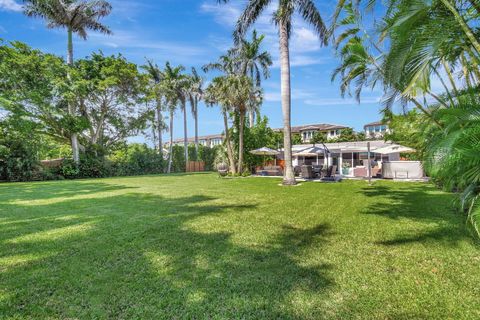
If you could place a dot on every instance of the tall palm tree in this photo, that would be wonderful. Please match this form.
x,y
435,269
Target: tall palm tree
x,y
156,75
172,86
183,91
195,95
215,94
254,63
283,20
77,17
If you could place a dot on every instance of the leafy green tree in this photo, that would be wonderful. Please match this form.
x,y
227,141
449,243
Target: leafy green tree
x,y
77,17
19,148
319,137
32,85
282,17
109,92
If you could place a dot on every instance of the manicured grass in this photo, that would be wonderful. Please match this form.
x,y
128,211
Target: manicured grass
x,y
197,246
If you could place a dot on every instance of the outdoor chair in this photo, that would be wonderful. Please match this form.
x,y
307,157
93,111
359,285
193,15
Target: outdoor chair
x,y
307,172
330,175
297,171
272,171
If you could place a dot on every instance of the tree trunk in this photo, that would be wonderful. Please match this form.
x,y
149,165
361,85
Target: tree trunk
x,y
71,107
251,118
185,133
231,158
159,128
170,151
289,176
465,27
196,130
241,125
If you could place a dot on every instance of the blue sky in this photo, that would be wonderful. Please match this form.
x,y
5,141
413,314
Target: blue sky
x,y
195,32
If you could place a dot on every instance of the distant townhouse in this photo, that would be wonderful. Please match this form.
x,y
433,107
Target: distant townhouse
x,y
307,132
376,129
207,141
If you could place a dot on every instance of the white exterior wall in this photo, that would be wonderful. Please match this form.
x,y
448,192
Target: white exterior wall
x,y
402,170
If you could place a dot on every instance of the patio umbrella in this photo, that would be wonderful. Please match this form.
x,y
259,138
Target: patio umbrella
x,y
265,152
310,152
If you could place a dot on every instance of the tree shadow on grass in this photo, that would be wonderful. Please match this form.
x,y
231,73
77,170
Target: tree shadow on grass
x,y
420,203
140,256
56,189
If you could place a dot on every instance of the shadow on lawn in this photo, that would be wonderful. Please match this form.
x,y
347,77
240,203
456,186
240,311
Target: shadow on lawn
x,y
420,203
55,189
140,256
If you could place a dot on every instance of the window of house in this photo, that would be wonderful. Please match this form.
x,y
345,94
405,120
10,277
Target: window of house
x,y
307,135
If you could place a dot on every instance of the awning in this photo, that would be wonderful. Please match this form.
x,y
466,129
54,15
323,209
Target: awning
x,y
394,148
310,152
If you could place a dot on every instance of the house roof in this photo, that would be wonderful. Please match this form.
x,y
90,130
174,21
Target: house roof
x,y
208,137
376,123
357,146
318,126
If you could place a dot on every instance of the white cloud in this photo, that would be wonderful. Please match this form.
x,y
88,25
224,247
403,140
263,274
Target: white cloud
x,y
340,102
297,94
224,14
10,5
141,45
303,41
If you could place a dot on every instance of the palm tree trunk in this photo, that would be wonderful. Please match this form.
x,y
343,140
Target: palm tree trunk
x,y
251,118
196,131
185,134
241,126
231,159
466,29
450,77
71,107
159,128
289,176
170,151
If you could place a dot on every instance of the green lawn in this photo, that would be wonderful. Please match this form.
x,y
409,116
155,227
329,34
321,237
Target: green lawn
x,y
197,246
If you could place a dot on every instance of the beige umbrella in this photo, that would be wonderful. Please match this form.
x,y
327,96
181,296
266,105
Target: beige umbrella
x,y
265,152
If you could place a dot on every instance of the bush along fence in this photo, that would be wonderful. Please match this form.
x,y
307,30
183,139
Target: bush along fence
x,y
131,160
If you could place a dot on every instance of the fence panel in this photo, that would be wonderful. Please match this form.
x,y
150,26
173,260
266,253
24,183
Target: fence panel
x,y
195,166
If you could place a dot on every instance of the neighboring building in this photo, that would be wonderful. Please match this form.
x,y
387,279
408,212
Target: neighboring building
x,y
307,132
376,130
351,159
208,141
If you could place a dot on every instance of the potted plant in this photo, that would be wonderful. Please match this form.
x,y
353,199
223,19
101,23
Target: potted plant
x,y
222,169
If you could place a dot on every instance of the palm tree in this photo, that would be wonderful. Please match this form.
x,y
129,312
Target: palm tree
x,y
172,86
195,95
215,94
156,75
77,17
183,91
283,20
253,63
236,92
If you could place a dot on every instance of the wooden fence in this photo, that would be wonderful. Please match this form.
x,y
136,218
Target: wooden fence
x,y
195,166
